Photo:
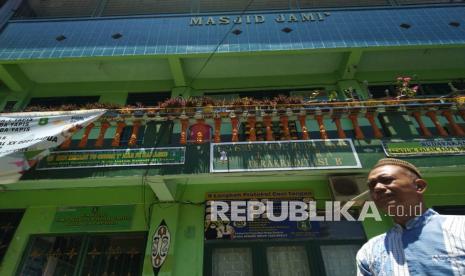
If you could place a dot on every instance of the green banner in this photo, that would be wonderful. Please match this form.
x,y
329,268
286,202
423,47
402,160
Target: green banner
x,y
283,155
424,147
113,158
92,218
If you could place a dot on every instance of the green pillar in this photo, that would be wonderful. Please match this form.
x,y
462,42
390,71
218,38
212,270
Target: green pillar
x,y
170,213
185,223
36,220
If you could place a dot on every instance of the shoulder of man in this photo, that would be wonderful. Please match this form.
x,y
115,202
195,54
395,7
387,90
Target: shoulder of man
x,y
366,258
454,224
368,248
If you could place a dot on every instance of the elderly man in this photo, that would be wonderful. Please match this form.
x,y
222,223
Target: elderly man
x,y
422,242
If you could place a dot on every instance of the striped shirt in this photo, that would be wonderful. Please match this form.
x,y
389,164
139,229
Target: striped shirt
x,y
431,244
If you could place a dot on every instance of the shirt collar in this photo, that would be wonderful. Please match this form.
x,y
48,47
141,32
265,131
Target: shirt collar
x,y
418,221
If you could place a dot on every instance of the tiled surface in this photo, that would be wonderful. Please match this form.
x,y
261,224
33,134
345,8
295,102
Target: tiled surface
x,y
174,35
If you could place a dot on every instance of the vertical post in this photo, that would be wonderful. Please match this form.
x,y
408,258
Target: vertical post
x,y
134,134
285,127
424,130
119,129
199,135
85,136
235,128
321,126
358,131
432,115
252,131
67,143
101,136
462,114
217,137
184,126
457,130
303,126
340,131
269,131
376,131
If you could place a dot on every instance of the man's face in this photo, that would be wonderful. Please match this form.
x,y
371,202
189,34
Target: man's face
x,y
392,186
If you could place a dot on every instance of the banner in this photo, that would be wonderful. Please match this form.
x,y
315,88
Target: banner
x,y
424,147
93,218
261,227
26,137
74,159
283,155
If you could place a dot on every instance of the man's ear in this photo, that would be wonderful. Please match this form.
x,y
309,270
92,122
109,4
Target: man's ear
x,y
420,185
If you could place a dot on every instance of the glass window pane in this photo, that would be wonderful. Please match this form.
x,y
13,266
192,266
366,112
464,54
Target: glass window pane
x,y
49,256
118,254
232,262
287,261
339,259
9,221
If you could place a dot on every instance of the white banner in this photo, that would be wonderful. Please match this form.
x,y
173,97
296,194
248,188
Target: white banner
x,y
27,137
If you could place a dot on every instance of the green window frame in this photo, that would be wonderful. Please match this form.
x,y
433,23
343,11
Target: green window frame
x,y
81,253
259,257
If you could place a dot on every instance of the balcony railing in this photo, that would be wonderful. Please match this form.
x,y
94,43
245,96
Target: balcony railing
x,y
208,120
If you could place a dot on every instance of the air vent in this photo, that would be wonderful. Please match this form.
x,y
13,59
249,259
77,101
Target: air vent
x,y
237,32
347,187
116,36
405,25
286,30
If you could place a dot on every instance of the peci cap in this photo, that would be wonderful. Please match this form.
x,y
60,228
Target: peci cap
x,y
398,162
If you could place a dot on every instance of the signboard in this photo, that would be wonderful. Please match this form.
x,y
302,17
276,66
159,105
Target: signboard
x,y
283,155
424,147
26,137
261,227
92,218
160,246
74,159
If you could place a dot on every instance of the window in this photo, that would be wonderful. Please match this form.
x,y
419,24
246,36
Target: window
x,y
9,221
31,9
232,261
290,258
9,106
434,89
147,99
100,254
381,91
57,102
56,8
450,210
287,260
331,251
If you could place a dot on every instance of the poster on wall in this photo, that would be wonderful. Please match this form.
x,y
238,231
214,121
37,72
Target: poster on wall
x,y
92,218
283,155
76,159
160,246
424,147
27,137
260,227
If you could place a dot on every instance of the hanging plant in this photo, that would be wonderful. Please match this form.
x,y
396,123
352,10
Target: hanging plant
x,y
403,88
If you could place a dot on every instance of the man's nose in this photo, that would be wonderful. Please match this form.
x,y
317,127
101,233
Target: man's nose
x,y
379,187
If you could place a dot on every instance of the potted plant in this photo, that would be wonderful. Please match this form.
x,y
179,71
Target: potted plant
x,y
174,105
282,102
